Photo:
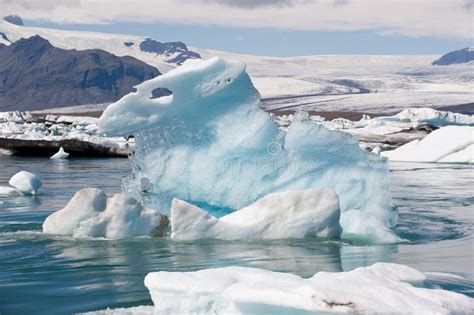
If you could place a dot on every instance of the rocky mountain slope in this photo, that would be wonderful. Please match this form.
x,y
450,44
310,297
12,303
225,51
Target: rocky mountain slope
x,y
162,55
36,75
454,57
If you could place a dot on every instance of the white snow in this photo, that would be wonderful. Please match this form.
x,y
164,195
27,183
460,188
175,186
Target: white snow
x,y
91,214
211,144
450,144
381,288
392,82
25,182
289,214
60,155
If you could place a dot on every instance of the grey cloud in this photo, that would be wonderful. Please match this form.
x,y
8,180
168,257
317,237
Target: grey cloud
x,y
468,4
341,2
43,4
251,4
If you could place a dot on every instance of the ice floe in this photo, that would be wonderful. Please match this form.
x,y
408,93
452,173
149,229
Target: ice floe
x,y
450,144
289,214
6,191
389,132
21,131
60,155
211,144
91,214
381,288
25,182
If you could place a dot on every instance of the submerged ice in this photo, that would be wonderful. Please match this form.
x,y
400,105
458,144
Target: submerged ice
x,y
209,143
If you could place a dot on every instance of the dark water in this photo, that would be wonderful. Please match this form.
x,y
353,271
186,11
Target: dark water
x,y
41,274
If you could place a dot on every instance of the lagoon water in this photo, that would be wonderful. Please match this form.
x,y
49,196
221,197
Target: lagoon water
x,y
46,274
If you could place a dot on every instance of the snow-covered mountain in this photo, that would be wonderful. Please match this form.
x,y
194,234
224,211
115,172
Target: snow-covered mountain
x,y
36,75
464,55
362,83
163,55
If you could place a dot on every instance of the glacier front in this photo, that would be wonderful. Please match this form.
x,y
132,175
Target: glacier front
x,y
209,143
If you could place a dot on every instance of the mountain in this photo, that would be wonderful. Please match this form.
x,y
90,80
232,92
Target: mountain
x,y
464,55
36,75
162,55
14,19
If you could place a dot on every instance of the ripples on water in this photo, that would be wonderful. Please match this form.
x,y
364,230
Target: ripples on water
x,y
45,274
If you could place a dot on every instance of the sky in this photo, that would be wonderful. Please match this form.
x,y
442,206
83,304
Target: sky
x,y
269,27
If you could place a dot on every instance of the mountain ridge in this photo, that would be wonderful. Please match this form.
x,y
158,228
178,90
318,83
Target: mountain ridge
x,y
36,75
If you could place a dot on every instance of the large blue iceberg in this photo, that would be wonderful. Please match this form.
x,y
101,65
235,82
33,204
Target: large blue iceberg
x,y
210,143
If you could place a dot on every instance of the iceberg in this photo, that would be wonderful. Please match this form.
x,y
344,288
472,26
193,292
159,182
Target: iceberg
x,y
450,144
60,155
91,214
381,288
289,214
25,182
209,143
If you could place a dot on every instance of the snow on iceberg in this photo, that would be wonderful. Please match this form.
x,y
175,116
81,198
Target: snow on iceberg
x,y
289,214
381,288
25,182
210,143
60,155
450,144
91,214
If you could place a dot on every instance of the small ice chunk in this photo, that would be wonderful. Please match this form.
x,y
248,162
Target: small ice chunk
x,y
25,182
450,144
376,150
288,214
60,155
381,288
91,214
6,191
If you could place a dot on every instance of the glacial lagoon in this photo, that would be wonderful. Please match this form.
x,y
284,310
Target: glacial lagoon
x,y
55,274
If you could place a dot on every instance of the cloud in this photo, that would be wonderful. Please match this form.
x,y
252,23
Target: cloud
x,y
390,17
250,4
468,4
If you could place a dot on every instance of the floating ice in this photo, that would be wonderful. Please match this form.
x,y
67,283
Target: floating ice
x,y
6,191
210,143
289,214
60,155
91,214
25,182
450,144
381,288
434,117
